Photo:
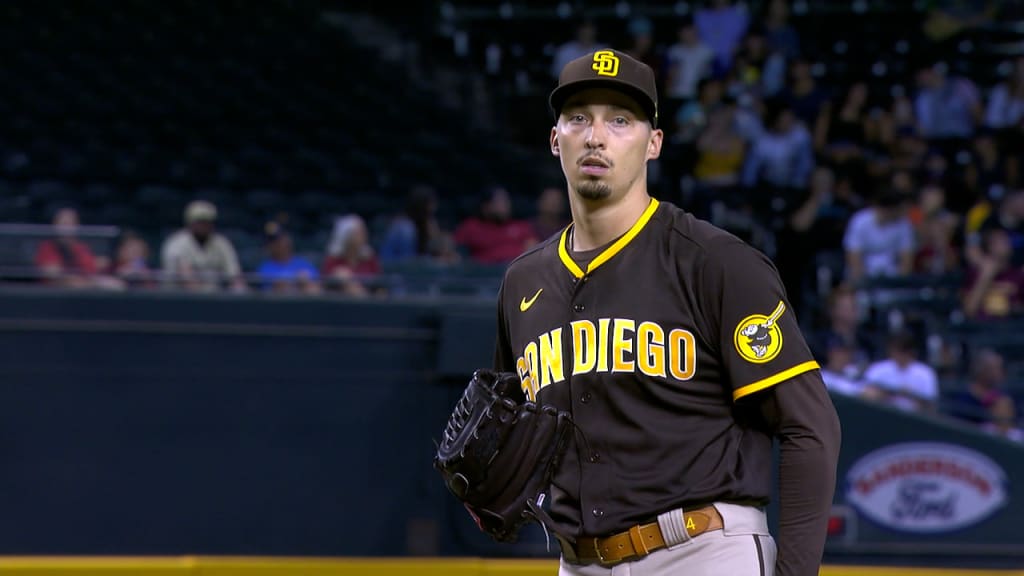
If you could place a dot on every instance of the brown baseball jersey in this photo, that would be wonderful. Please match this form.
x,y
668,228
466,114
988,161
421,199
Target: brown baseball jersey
x,y
652,343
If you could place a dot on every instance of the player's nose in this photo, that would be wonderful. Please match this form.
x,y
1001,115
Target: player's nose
x,y
596,135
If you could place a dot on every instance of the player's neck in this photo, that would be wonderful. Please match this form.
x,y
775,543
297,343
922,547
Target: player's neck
x,y
598,223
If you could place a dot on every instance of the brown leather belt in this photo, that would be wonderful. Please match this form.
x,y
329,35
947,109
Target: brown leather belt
x,y
638,541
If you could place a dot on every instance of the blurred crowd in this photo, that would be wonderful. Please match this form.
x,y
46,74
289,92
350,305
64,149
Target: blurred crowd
x,y
875,178
199,258
853,184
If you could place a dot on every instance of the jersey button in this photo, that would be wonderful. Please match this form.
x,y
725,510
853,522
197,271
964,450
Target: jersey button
x,y
597,512
578,307
585,397
594,457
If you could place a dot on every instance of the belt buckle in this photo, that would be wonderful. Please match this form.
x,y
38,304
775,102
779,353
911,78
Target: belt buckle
x,y
597,550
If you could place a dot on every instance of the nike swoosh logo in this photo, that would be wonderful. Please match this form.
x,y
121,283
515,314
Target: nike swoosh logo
x,y
525,304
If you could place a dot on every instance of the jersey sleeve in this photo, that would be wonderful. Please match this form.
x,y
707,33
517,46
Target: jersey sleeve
x,y
504,359
757,333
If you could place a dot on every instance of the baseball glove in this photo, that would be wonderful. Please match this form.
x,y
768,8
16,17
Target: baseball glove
x,y
498,452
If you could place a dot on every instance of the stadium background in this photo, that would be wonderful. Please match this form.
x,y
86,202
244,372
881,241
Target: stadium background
x,y
148,428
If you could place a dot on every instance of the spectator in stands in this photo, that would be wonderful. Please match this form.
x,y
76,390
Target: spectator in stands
x,y
351,265
879,239
810,242
908,150
991,175
722,25
757,68
947,108
994,285
1004,108
131,261
842,138
282,270
841,372
199,258
781,35
985,401
904,381
416,233
551,215
991,170
692,117
845,323
720,150
493,236
687,61
935,228
1008,216
584,42
66,260
901,110
1005,422
782,157
809,101
680,147
820,219
641,44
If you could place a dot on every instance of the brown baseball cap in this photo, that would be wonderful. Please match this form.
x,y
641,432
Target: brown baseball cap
x,y
608,69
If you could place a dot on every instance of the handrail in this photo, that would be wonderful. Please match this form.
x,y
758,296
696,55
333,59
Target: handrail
x,y
37,230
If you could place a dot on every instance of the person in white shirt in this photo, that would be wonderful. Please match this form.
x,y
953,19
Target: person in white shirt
x,y
687,61
841,373
879,239
905,382
197,258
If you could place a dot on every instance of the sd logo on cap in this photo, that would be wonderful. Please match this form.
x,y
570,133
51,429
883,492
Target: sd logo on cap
x,y
606,63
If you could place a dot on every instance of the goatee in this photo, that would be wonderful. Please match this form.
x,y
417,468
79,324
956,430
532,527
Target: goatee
x,y
593,190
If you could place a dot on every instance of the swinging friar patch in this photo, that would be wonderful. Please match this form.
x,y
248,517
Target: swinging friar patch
x,y
758,337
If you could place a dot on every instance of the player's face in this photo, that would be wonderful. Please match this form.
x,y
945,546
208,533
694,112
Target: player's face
x,y
604,140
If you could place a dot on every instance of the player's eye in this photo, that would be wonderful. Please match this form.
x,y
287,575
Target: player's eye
x,y
620,121
577,118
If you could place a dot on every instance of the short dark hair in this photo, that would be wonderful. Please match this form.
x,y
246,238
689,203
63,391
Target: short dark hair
x,y
903,340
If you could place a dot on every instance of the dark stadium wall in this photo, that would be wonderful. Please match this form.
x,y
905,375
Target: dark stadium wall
x,y
158,424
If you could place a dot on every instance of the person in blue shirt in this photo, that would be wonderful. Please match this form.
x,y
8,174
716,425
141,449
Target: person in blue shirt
x,y
282,270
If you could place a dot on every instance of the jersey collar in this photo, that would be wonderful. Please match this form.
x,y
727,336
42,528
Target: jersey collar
x,y
567,261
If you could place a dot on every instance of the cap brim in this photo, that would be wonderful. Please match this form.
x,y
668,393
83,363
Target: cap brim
x,y
561,94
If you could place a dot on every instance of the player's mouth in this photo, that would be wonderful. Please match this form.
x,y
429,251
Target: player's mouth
x,y
594,165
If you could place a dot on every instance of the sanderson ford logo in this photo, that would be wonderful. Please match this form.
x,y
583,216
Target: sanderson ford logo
x,y
926,487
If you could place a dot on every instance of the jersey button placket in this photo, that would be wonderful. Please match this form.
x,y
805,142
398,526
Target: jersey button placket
x,y
578,307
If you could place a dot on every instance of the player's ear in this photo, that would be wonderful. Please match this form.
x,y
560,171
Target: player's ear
x,y
654,145
554,142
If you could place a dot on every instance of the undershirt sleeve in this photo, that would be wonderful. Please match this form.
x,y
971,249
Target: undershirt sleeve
x,y
800,413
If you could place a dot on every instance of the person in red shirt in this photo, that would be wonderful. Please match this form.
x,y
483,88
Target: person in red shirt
x,y
494,236
351,264
64,259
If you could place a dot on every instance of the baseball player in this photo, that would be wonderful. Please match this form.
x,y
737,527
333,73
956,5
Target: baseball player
x,y
672,345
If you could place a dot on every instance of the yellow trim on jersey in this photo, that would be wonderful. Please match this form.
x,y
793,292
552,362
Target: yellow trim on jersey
x,y
563,253
773,380
612,250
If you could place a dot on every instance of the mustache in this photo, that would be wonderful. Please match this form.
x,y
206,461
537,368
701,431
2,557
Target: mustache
x,y
597,157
